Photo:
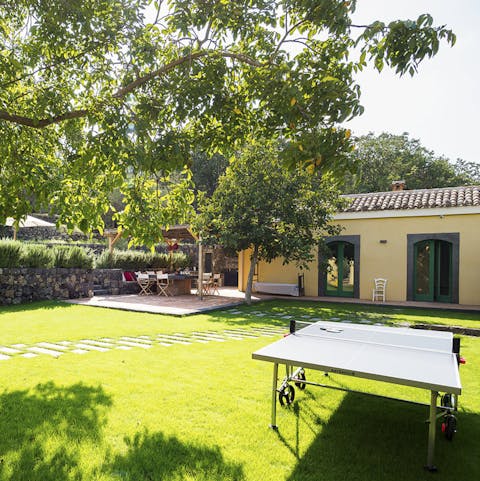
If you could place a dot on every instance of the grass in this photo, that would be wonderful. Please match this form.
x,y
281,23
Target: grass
x,y
200,411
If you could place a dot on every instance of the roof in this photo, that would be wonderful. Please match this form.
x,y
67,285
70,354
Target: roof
x,y
179,232
30,221
414,199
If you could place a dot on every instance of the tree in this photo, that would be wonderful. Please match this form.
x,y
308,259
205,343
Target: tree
x,y
387,157
115,94
259,204
207,170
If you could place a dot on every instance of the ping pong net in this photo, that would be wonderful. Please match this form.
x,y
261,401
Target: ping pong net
x,y
389,337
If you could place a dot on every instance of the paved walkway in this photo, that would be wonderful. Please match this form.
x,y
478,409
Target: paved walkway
x,y
230,296
125,343
175,305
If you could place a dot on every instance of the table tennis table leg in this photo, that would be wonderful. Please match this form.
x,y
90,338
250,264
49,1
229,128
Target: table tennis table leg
x,y
431,431
273,424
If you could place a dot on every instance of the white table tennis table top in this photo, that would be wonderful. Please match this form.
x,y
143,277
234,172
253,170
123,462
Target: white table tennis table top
x,y
397,355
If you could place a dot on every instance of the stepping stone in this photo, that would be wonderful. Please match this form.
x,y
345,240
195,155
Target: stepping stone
x,y
64,343
165,344
79,351
42,350
3,357
136,339
334,319
208,336
50,345
200,339
19,346
28,355
306,316
97,343
172,340
286,317
134,344
124,348
9,350
91,347
239,332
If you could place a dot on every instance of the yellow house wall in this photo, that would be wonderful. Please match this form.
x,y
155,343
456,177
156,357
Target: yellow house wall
x,y
389,259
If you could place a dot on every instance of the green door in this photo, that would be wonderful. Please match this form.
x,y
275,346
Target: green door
x,y
340,270
433,271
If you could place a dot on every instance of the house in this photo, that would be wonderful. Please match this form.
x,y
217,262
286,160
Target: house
x,y
426,243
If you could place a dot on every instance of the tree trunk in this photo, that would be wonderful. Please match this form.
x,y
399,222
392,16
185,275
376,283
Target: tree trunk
x,y
253,263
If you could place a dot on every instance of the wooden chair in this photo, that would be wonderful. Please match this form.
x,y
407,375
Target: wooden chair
x,y
145,283
215,283
206,283
379,291
162,284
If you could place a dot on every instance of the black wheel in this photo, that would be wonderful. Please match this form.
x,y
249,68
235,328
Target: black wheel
x,y
449,401
450,424
302,377
286,395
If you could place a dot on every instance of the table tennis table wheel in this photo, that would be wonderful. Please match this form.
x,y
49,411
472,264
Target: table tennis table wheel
x,y
449,401
301,376
286,395
449,426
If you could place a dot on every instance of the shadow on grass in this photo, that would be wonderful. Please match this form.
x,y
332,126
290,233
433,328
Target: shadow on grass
x,y
274,309
157,457
34,306
42,430
370,438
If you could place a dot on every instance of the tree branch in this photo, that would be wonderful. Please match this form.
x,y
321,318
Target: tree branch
x,y
124,91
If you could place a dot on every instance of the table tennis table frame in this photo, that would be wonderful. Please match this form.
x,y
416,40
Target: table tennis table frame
x,y
293,376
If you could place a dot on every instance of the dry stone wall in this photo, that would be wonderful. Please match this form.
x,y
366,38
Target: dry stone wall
x,y
21,285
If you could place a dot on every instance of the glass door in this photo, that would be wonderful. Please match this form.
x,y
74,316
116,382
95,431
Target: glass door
x,y
433,271
340,270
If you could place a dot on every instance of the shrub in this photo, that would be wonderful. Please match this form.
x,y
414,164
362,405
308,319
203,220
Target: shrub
x,y
10,253
126,260
72,257
36,256
159,261
138,260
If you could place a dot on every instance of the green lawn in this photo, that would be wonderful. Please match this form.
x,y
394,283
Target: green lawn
x,y
201,411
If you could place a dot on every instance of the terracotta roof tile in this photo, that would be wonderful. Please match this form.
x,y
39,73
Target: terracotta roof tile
x,y
414,199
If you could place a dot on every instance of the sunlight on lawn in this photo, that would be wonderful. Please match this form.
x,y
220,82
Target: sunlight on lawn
x,y
201,411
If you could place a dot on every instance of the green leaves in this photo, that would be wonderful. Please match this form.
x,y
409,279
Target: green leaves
x,y
259,202
102,95
403,44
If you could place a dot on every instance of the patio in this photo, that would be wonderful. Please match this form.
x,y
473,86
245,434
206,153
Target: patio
x,y
176,305
230,296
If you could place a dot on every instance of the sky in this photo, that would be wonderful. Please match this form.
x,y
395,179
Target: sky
x,y
441,103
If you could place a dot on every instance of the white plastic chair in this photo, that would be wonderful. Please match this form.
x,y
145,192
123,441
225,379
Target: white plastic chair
x,y
379,291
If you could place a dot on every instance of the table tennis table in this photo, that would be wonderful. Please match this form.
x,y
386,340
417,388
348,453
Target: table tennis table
x,y
405,356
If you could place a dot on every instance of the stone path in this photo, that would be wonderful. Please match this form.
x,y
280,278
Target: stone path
x,y
84,346
104,344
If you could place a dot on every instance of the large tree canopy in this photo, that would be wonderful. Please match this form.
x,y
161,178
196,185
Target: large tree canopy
x,y
385,158
103,94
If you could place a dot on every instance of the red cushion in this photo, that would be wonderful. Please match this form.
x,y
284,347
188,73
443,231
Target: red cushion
x,y
129,276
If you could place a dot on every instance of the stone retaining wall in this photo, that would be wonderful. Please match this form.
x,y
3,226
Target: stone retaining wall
x,y
20,285
111,281
25,284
